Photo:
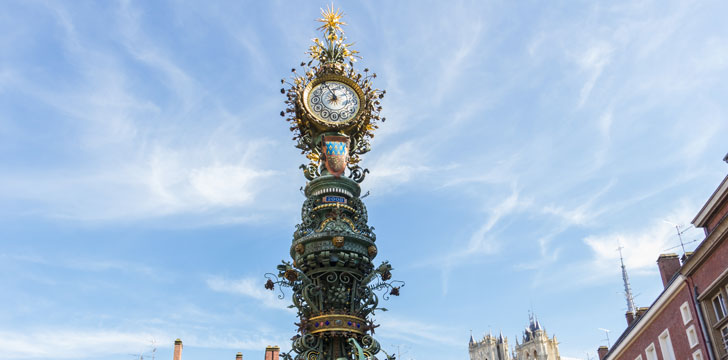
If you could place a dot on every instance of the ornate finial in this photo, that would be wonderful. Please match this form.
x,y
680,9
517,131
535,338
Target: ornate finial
x,y
332,49
332,20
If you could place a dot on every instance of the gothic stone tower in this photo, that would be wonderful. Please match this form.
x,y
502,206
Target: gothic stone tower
x,y
333,111
490,348
536,344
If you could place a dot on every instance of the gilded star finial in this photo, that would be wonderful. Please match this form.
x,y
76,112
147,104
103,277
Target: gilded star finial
x,y
332,20
332,49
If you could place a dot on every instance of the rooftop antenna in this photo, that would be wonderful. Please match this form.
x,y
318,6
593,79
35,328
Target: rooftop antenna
x,y
154,348
627,288
606,332
679,235
399,350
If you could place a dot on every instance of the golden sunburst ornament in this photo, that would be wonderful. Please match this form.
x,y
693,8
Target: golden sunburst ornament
x,y
331,19
332,48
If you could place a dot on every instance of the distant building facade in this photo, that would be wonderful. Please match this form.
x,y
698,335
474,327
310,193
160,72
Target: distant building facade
x,y
535,345
689,319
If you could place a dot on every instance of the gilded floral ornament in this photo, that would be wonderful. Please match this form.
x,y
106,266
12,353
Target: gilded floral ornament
x,y
332,49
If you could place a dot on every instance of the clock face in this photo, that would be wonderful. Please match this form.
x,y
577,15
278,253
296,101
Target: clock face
x,y
334,102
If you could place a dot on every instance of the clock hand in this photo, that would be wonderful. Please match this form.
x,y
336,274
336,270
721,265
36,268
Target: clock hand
x,y
333,95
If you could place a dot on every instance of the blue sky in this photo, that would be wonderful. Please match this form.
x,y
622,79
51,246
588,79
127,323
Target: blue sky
x,y
148,181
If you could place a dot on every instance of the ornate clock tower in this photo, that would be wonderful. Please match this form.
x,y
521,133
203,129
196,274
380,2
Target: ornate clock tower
x,y
333,111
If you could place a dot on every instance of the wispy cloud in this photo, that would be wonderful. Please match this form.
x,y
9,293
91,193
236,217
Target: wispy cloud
x,y
75,343
402,164
87,343
641,246
88,265
482,241
418,332
584,212
592,61
135,163
252,288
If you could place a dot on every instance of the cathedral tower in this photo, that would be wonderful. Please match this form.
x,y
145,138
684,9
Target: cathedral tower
x,y
536,344
333,111
489,348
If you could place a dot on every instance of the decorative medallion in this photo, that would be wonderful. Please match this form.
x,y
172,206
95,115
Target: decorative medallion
x,y
372,251
338,241
336,150
300,248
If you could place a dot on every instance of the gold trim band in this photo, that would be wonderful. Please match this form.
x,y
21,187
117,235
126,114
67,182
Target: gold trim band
x,y
334,205
336,323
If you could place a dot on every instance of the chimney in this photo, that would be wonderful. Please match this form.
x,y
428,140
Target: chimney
x,y
271,352
640,311
239,356
602,351
669,264
630,317
177,350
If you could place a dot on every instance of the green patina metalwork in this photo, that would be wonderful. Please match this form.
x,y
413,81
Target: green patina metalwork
x,y
335,286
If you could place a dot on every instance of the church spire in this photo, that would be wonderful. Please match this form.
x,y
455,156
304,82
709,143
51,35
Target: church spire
x,y
627,288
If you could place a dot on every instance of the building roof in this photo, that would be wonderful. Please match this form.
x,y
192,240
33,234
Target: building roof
x,y
712,205
633,329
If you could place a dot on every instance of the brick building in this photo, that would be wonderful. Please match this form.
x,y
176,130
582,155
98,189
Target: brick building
x,y
689,319
271,352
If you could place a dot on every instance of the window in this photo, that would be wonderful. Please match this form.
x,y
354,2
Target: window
x,y
650,352
713,304
698,355
666,346
639,357
692,336
685,312
719,306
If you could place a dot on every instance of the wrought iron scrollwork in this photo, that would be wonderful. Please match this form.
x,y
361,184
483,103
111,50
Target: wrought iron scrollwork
x,y
361,219
308,218
310,171
357,173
